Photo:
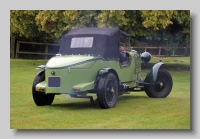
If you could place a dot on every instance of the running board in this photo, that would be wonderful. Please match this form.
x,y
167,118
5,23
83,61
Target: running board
x,y
142,83
90,97
136,89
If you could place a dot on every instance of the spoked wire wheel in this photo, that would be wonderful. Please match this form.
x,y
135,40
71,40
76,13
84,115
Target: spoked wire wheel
x,y
162,87
107,91
110,91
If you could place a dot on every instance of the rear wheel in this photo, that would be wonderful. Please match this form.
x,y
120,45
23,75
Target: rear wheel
x,y
162,87
107,91
40,98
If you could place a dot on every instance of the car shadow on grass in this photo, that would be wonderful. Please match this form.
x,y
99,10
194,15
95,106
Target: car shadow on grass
x,y
86,104
76,105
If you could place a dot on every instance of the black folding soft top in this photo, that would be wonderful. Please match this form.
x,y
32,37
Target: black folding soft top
x,y
101,42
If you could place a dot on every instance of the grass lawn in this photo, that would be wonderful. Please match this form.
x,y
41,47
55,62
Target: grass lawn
x,y
132,111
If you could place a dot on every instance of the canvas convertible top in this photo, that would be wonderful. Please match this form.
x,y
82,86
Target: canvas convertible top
x,y
101,42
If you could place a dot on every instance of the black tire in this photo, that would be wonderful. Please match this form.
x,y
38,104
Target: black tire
x,y
162,87
40,98
107,91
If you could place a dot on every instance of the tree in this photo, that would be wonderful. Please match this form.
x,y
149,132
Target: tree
x,y
111,18
55,22
147,27
169,25
58,22
23,24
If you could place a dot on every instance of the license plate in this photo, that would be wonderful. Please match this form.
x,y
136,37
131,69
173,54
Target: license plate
x,y
54,82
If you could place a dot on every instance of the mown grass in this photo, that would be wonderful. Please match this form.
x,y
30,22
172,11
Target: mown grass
x,y
132,111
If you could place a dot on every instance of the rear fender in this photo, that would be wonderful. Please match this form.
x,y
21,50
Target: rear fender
x,y
40,73
40,85
154,72
104,71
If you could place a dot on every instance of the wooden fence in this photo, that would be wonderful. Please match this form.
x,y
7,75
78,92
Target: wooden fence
x,y
164,51
156,51
46,52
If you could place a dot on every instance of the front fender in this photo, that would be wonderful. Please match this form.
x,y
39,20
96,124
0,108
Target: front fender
x,y
154,72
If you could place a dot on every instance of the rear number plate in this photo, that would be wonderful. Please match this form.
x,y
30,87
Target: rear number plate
x,y
54,82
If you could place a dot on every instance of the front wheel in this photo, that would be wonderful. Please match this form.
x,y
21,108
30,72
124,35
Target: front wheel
x,y
40,98
107,91
162,87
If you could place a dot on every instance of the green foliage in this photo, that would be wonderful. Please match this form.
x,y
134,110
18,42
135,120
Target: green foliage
x,y
54,22
57,23
169,26
150,27
111,18
156,19
23,24
183,19
85,18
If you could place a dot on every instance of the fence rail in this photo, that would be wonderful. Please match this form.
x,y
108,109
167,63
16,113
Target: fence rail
x,y
168,51
45,45
43,49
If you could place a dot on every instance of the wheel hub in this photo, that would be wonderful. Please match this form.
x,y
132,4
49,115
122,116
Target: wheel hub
x,y
112,90
161,84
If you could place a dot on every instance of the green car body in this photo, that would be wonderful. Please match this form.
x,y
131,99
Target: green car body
x,y
81,74
81,71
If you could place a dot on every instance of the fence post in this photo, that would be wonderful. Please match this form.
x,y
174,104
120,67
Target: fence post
x,y
159,52
173,52
17,49
46,51
12,47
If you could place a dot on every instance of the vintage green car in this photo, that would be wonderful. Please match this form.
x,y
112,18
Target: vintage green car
x,y
88,62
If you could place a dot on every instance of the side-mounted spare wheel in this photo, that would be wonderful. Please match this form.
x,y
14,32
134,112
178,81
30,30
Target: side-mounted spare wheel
x,y
107,91
162,87
40,98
